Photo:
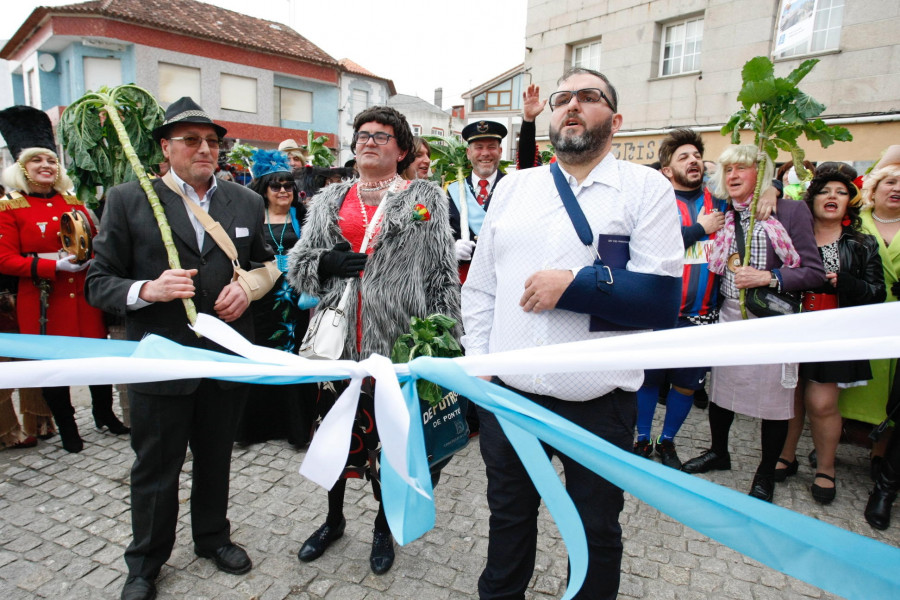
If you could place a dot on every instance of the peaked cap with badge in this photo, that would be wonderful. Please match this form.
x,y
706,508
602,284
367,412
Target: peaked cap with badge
x,y
483,129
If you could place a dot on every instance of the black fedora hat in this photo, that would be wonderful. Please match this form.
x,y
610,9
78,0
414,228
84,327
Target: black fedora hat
x,y
185,110
26,127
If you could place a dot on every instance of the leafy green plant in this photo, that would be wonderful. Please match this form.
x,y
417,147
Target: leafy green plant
x,y
778,113
431,336
241,156
547,155
319,154
104,132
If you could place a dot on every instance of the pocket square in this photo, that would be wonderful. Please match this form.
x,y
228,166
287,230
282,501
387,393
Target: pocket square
x,y
241,232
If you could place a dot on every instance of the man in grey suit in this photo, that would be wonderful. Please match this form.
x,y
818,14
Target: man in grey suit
x,y
130,276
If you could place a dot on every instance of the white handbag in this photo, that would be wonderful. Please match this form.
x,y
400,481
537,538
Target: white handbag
x,y
324,339
327,331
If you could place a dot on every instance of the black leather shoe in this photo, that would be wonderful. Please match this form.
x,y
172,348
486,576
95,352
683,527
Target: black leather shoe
x,y
823,495
382,557
708,461
230,558
138,588
665,450
791,469
317,543
111,422
763,487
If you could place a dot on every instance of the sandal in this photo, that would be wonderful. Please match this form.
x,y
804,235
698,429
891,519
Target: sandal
x,y
790,469
821,494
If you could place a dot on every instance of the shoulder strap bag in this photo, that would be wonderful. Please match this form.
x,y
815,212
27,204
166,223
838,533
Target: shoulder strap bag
x,y
255,283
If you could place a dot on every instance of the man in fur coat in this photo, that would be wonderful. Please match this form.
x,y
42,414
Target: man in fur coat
x,y
390,241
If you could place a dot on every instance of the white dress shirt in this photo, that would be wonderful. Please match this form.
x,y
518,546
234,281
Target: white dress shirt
x,y
133,301
528,229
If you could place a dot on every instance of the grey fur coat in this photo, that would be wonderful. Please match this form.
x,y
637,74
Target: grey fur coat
x,y
412,270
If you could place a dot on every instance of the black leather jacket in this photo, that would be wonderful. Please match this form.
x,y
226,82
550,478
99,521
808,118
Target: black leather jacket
x,y
861,278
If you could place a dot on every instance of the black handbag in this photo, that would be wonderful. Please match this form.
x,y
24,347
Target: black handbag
x,y
765,301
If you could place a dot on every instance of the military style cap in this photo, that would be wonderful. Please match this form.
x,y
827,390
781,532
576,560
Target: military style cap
x,y
483,129
26,127
185,110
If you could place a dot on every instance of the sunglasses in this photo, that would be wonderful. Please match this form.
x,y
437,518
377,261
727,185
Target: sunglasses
x,y
276,186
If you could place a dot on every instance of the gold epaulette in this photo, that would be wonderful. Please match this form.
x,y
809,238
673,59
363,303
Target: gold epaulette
x,y
72,200
12,200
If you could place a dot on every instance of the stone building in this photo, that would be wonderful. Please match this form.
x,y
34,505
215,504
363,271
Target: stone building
x,y
678,63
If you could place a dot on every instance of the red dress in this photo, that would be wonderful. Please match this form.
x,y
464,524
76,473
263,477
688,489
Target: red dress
x,y
353,227
30,224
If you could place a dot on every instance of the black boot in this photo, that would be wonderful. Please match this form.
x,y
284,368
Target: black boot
x,y
60,404
101,407
878,509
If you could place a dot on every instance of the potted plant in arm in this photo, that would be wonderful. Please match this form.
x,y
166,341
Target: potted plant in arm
x,y
777,112
104,132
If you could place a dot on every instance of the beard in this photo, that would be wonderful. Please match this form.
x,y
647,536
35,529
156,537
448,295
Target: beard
x,y
684,180
584,147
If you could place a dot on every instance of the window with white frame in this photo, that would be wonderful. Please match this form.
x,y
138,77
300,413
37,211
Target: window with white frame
x,y
586,56
506,95
176,81
359,101
417,130
437,131
808,26
237,93
293,105
681,47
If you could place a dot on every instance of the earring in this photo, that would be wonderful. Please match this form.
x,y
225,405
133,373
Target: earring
x,y
846,221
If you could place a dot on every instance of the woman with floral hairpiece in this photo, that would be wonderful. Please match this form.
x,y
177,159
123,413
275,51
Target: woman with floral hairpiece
x,y
407,269
854,277
30,248
280,317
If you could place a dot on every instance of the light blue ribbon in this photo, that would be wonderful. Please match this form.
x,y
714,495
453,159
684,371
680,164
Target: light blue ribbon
x,y
836,560
841,562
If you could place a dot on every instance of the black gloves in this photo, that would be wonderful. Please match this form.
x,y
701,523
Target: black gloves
x,y
895,289
340,262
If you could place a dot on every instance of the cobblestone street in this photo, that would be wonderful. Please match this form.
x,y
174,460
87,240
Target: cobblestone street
x,y
64,523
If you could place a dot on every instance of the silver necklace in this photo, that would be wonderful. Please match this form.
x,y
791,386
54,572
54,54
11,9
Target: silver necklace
x,y
885,221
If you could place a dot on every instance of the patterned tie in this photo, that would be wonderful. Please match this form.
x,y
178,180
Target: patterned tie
x,y
482,191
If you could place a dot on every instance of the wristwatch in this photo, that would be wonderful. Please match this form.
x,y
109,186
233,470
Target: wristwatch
x,y
773,283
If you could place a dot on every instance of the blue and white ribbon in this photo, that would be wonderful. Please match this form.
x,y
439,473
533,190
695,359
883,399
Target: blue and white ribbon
x,y
833,559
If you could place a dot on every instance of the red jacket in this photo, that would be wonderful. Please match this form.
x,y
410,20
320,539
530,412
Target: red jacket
x,y
29,224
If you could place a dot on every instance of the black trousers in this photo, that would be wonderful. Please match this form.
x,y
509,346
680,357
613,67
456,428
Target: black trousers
x,y
514,501
162,428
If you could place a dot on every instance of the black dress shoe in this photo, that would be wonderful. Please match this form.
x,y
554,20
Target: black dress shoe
x,y
317,543
382,557
111,422
791,469
230,558
138,588
763,487
708,461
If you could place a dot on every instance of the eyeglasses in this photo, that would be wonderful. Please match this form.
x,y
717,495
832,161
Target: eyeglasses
x,y
194,141
381,138
276,186
585,96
